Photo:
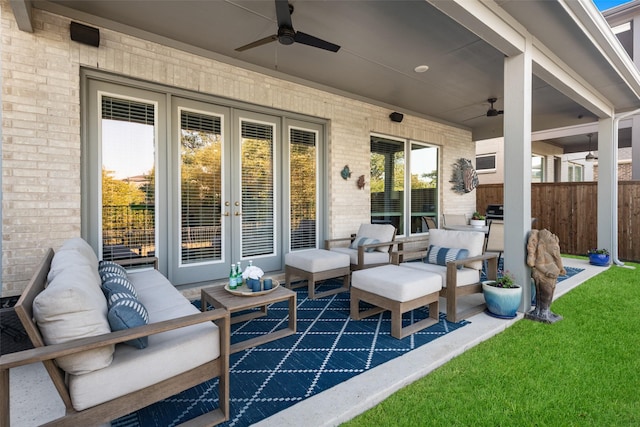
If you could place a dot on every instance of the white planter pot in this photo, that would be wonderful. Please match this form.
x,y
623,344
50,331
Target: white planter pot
x,y
477,222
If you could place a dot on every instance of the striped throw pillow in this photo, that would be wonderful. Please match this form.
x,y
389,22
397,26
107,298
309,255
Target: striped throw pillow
x,y
440,256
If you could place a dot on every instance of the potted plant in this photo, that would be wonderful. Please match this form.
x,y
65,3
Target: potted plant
x,y
477,219
503,296
599,257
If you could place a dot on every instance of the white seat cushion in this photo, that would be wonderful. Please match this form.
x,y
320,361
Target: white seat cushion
x,y
469,240
396,283
374,257
316,260
465,276
167,355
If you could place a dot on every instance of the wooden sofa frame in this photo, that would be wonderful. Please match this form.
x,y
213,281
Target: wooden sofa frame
x,y
127,403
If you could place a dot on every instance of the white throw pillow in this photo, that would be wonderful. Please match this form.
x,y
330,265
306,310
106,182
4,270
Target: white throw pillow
x,y
72,307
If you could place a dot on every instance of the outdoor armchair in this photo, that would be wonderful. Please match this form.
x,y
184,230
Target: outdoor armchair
x,y
460,274
370,247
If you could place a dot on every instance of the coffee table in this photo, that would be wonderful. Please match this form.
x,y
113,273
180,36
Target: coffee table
x,y
218,297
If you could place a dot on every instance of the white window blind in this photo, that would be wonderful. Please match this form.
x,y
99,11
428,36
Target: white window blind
x,y
303,219
257,189
200,187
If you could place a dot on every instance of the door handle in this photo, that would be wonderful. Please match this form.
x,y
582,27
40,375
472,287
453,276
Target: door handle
x,y
238,213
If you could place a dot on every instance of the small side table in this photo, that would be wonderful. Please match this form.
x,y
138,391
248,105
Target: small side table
x,y
218,297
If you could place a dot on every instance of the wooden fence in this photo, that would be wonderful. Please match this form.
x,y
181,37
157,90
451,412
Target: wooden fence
x,y
569,210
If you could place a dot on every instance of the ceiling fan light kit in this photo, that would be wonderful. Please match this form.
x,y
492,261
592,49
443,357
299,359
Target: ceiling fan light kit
x,y
286,35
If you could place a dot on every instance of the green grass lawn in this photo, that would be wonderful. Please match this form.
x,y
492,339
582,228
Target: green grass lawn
x,y
581,371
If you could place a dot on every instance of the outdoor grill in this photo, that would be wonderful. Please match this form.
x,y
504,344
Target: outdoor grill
x,y
495,212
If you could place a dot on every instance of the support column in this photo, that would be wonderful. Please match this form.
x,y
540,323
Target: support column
x,y
517,167
635,148
607,188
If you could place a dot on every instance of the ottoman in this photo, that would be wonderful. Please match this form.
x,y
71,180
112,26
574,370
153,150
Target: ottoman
x,y
399,290
315,265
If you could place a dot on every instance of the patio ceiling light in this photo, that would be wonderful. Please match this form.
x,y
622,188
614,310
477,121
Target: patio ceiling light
x,y
590,156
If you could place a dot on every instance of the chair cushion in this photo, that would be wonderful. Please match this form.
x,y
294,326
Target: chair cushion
x,y
316,260
382,232
127,312
364,241
374,257
440,256
470,240
72,307
396,283
466,276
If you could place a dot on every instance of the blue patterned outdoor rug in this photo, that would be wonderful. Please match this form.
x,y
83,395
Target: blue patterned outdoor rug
x,y
327,349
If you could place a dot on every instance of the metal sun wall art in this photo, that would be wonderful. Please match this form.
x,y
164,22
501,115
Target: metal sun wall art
x,y
464,176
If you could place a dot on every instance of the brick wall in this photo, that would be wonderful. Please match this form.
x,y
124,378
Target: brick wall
x,y
625,171
41,130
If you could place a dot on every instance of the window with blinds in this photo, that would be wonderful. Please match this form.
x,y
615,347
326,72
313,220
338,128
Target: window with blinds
x,y
257,186
200,187
303,188
128,178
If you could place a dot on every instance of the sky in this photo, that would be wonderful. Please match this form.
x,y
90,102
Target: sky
x,y
608,4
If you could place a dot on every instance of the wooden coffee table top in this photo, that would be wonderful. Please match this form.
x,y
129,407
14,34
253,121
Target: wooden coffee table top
x,y
235,303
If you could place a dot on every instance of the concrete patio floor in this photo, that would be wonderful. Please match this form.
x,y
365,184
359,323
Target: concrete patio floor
x,y
35,401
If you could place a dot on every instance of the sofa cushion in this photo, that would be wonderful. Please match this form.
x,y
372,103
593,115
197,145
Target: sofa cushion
x,y
466,276
469,240
127,312
364,241
396,283
381,232
69,258
114,283
72,307
83,248
441,256
167,355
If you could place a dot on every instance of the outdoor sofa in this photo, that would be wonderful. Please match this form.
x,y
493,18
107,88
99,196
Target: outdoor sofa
x,y
102,375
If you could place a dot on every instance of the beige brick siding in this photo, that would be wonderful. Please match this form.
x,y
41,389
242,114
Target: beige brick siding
x,y
41,130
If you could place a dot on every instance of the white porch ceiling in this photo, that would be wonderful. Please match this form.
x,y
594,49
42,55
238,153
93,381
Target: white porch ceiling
x,y
381,43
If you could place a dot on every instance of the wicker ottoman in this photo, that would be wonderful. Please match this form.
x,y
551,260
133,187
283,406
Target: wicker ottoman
x,y
316,265
399,290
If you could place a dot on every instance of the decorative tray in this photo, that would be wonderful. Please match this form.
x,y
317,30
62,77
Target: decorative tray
x,y
244,291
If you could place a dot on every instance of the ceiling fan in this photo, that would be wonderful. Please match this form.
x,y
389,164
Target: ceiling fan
x,y
286,35
492,112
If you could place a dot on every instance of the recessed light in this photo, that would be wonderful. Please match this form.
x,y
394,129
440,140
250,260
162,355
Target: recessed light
x,y
421,68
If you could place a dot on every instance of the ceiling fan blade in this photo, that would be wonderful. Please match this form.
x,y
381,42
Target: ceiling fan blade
x,y
257,43
473,118
283,13
310,40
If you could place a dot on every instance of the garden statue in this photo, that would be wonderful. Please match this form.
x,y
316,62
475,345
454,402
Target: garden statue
x,y
544,259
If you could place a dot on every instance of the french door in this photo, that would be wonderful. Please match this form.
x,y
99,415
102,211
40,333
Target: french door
x,y
197,184
227,200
